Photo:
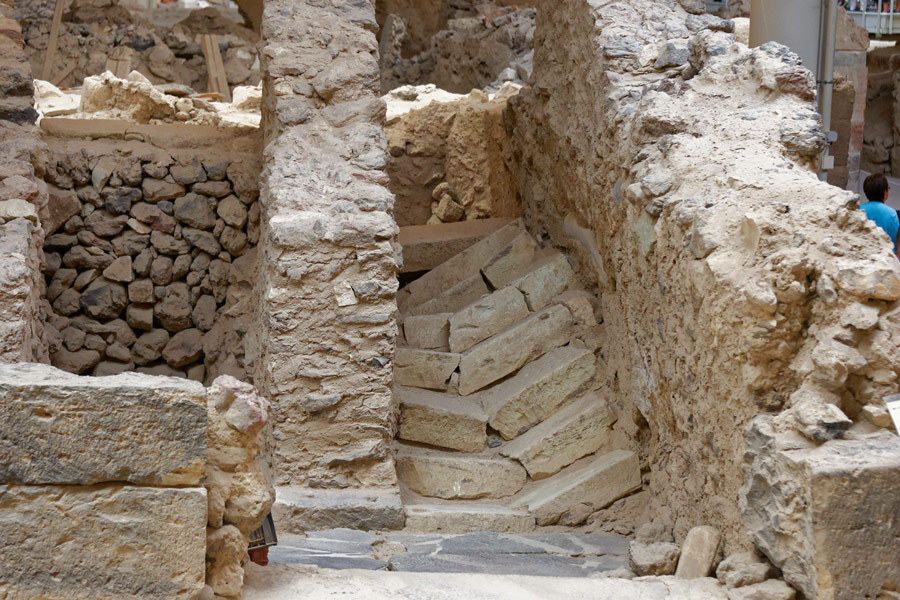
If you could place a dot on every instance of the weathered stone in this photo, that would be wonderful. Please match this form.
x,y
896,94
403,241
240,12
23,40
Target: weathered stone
x,y
85,278
195,210
141,263
424,368
75,362
428,332
139,316
173,312
699,553
161,270
870,280
156,190
204,313
509,350
819,420
149,346
580,305
167,244
234,241
579,429
107,368
203,240
62,279
458,476
118,201
448,211
17,209
485,317
141,291
860,316
439,420
67,303
73,338
774,589
654,559
184,348
104,299
300,509
810,539
225,549
215,189
111,549
105,224
454,299
153,216
62,205
64,429
509,263
120,270
118,352
187,174
547,278
232,211
595,480
181,266
439,518
744,568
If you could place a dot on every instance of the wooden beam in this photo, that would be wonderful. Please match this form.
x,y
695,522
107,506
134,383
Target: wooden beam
x,y
215,68
63,74
50,57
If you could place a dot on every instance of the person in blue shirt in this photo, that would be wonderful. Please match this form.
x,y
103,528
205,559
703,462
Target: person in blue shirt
x,y
876,189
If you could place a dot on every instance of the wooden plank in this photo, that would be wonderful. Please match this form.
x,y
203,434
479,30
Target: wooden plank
x,y
50,57
63,74
215,68
119,61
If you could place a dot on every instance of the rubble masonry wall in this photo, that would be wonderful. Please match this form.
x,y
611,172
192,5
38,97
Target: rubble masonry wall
x,y
151,258
674,163
23,201
327,318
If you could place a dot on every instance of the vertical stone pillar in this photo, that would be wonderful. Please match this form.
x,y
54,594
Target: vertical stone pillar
x,y
327,314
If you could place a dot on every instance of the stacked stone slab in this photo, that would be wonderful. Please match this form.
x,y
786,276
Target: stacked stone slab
x,y
150,254
23,201
100,497
327,316
503,424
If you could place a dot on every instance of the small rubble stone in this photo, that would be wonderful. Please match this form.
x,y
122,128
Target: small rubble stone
x,y
232,211
658,558
214,189
699,553
153,216
141,291
120,270
195,211
183,348
161,270
75,362
202,240
104,299
149,346
187,174
234,241
139,316
173,312
744,568
67,303
204,313
773,589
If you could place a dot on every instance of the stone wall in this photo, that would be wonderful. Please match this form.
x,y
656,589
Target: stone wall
x,y
23,201
676,165
329,260
151,255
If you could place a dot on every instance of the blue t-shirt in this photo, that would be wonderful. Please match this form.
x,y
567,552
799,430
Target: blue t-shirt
x,y
885,217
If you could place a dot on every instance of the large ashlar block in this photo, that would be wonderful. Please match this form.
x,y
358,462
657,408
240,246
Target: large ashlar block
x,y
827,515
538,390
300,509
464,265
424,368
59,428
458,476
428,246
579,429
456,298
429,332
441,420
511,261
102,541
485,317
512,348
548,277
596,481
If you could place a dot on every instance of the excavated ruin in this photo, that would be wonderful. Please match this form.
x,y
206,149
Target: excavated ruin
x,y
439,267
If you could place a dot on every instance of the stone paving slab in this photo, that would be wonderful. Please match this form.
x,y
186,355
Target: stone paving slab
x,y
548,565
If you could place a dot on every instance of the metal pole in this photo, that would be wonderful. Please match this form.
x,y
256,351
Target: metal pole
x,y
826,78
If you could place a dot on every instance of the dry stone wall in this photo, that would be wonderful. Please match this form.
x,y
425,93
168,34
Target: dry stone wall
x,y
327,315
675,164
23,201
151,254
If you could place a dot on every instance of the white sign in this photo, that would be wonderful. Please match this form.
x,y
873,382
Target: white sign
x,y
893,405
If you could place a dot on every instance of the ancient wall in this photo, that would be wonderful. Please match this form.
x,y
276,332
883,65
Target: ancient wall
x,y
675,164
327,318
23,201
151,256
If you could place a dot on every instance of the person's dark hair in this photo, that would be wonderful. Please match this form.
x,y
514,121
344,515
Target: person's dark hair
x,y
875,186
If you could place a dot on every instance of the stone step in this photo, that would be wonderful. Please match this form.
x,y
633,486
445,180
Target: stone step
x,y
511,261
464,517
486,316
443,420
428,332
537,390
546,278
424,368
462,266
427,246
579,429
597,481
299,509
509,350
454,299
454,476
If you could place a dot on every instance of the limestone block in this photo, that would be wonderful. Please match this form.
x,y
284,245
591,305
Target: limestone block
x,y
595,480
657,558
548,277
441,420
802,506
429,332
63,429
464,265
105,541
428,246
511,261
456,298
299,510
440,518
512,348
485,317
538,390
579,303
424,368
579,429
458,476
744,568
226,547
699,553
773,589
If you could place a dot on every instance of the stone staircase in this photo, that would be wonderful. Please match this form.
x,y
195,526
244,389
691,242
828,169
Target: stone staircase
x,y
503,423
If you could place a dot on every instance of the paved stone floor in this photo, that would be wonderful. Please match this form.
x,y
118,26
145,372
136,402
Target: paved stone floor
x,y
551,554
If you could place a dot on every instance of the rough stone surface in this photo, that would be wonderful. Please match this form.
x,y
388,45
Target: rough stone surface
x,y
424,368
463,519
774,589
699,553
658,558
430,332
486,317
456,476
302,509
111,549
441,420
743,569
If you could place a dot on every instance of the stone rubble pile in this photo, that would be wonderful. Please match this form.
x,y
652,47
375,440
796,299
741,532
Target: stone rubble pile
x,y
146,253
93,30
502,406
